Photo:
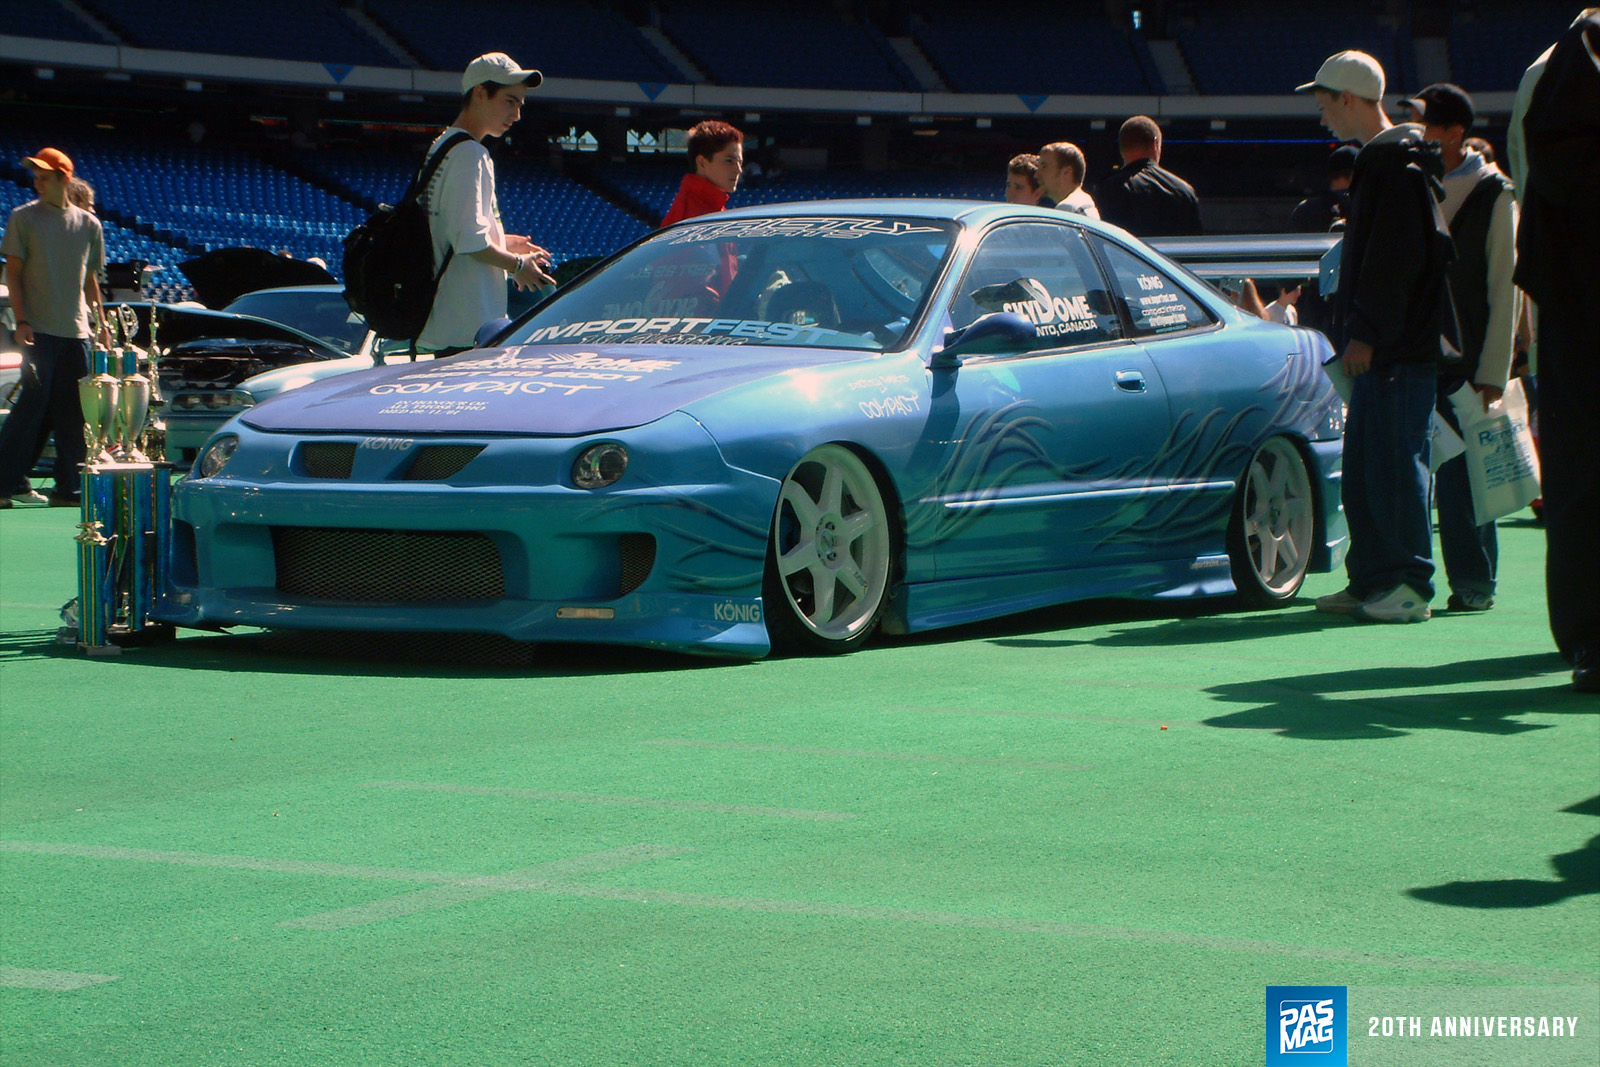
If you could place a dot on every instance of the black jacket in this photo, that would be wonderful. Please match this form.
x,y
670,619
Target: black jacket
x,y
1149,201
1392,267
1558,242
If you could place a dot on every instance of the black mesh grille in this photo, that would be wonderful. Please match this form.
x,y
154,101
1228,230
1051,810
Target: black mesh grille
x,y
387,565
638,556
327,459
434,463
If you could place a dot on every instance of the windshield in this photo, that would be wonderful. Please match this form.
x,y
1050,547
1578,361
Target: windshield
x,y
321,313
822,281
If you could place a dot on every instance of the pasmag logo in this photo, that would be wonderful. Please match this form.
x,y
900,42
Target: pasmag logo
x,y
1306,1025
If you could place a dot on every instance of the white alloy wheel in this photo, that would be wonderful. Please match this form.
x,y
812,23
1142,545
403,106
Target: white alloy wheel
x,y
832,546
1270,537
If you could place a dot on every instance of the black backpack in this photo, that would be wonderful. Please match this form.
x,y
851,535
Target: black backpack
x,y
388,260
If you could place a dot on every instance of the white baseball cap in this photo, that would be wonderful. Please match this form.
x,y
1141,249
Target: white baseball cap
x,y
1348,72
499,68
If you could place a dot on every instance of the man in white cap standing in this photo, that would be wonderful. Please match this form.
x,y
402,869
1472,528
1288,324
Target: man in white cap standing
x,y
470,244
53,252
1388,315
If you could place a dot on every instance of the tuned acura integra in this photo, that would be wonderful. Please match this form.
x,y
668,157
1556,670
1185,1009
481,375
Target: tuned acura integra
x,y
789,426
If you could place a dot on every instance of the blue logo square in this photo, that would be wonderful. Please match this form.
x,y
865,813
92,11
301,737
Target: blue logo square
x,y
1306,1026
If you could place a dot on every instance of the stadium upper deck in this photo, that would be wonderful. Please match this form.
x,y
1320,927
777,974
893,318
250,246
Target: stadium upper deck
x,y
888,57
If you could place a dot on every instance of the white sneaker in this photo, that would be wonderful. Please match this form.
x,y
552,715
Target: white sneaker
x,y
1343,602
32,496
1400,604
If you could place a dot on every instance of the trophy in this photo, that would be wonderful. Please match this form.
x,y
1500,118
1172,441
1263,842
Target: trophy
x,y
133,400
133,408
98,395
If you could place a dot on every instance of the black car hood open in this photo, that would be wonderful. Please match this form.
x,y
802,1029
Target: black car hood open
x,y
180,325
221,277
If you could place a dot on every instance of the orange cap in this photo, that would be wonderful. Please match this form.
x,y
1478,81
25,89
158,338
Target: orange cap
x,y
51,159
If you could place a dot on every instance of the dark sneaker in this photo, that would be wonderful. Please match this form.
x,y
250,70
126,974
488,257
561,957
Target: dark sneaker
x,y
1469,600
63,501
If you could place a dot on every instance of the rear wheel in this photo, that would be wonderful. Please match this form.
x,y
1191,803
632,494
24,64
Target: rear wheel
x,y
1269,539
830,555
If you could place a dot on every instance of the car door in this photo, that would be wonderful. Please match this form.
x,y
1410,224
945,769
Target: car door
x,y
1220,389
1049,448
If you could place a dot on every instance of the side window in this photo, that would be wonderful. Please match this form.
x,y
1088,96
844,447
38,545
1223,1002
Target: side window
x,y
1157,303
1044,273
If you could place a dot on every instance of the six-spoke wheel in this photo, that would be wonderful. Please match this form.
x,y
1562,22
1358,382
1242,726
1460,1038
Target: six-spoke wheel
x,y
1269,539
830,556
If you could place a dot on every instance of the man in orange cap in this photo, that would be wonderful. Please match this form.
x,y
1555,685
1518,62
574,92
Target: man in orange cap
x,y
53,252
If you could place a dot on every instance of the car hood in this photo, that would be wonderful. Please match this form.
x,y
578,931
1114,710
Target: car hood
x,y
221,277
533,389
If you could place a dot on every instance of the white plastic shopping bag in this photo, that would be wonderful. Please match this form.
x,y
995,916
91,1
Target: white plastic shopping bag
x,y
1502,464
1446,443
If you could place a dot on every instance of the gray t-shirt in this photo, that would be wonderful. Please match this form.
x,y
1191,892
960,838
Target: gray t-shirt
x,y
59,248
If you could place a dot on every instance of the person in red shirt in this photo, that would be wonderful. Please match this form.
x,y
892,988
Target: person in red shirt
x,y
717,151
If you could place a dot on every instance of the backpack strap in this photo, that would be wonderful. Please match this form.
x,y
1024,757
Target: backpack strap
x,y
420,181
414,192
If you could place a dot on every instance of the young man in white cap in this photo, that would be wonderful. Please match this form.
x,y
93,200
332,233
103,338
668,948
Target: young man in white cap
x,y
469,243
1388,315
54,252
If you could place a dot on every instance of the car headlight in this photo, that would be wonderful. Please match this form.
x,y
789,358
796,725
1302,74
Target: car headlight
x,y
241,398
215,456
599,465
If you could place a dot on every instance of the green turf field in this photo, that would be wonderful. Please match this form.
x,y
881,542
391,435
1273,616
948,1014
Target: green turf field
x,y
1092,835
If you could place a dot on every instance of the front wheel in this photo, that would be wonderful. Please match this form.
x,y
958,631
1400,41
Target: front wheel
x,y
830,555
1269,538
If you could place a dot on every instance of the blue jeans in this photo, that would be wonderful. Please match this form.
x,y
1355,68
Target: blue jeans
x,y
49,400
1471,552
1386,478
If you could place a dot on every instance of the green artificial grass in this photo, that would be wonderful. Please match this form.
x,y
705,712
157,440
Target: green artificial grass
x,y
1091,835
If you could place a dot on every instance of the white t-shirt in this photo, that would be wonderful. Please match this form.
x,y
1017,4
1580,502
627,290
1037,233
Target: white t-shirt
x,y
463,215
1080,203
1284,313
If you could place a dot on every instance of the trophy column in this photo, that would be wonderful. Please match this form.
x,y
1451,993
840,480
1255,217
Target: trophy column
x,y
124,529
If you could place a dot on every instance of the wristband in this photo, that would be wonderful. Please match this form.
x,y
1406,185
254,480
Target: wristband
x,y
522,262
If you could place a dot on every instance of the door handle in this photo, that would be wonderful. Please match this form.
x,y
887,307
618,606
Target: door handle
x,y
1131,381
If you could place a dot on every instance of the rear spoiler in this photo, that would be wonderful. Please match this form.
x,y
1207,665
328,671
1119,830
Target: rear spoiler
x,y
1267,256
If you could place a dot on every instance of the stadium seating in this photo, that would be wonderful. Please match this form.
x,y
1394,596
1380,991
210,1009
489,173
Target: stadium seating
x,y
1273,50
314,30
1062,49
569,40
808,47
1491,46
46,21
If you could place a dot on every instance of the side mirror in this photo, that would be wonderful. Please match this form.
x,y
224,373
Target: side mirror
x,y
999,331
489,331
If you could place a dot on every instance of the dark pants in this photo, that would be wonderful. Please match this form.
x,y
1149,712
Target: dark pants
x,y
49,400
1385,484
1569,457
1471,552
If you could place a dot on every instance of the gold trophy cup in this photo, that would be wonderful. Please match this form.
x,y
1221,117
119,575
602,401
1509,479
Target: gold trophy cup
x,y
99,396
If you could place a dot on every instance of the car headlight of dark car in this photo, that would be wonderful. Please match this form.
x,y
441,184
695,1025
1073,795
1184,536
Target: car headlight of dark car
x,y
599,465
215,456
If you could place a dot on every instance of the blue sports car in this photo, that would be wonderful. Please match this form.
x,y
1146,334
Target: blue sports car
x,y
789,427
